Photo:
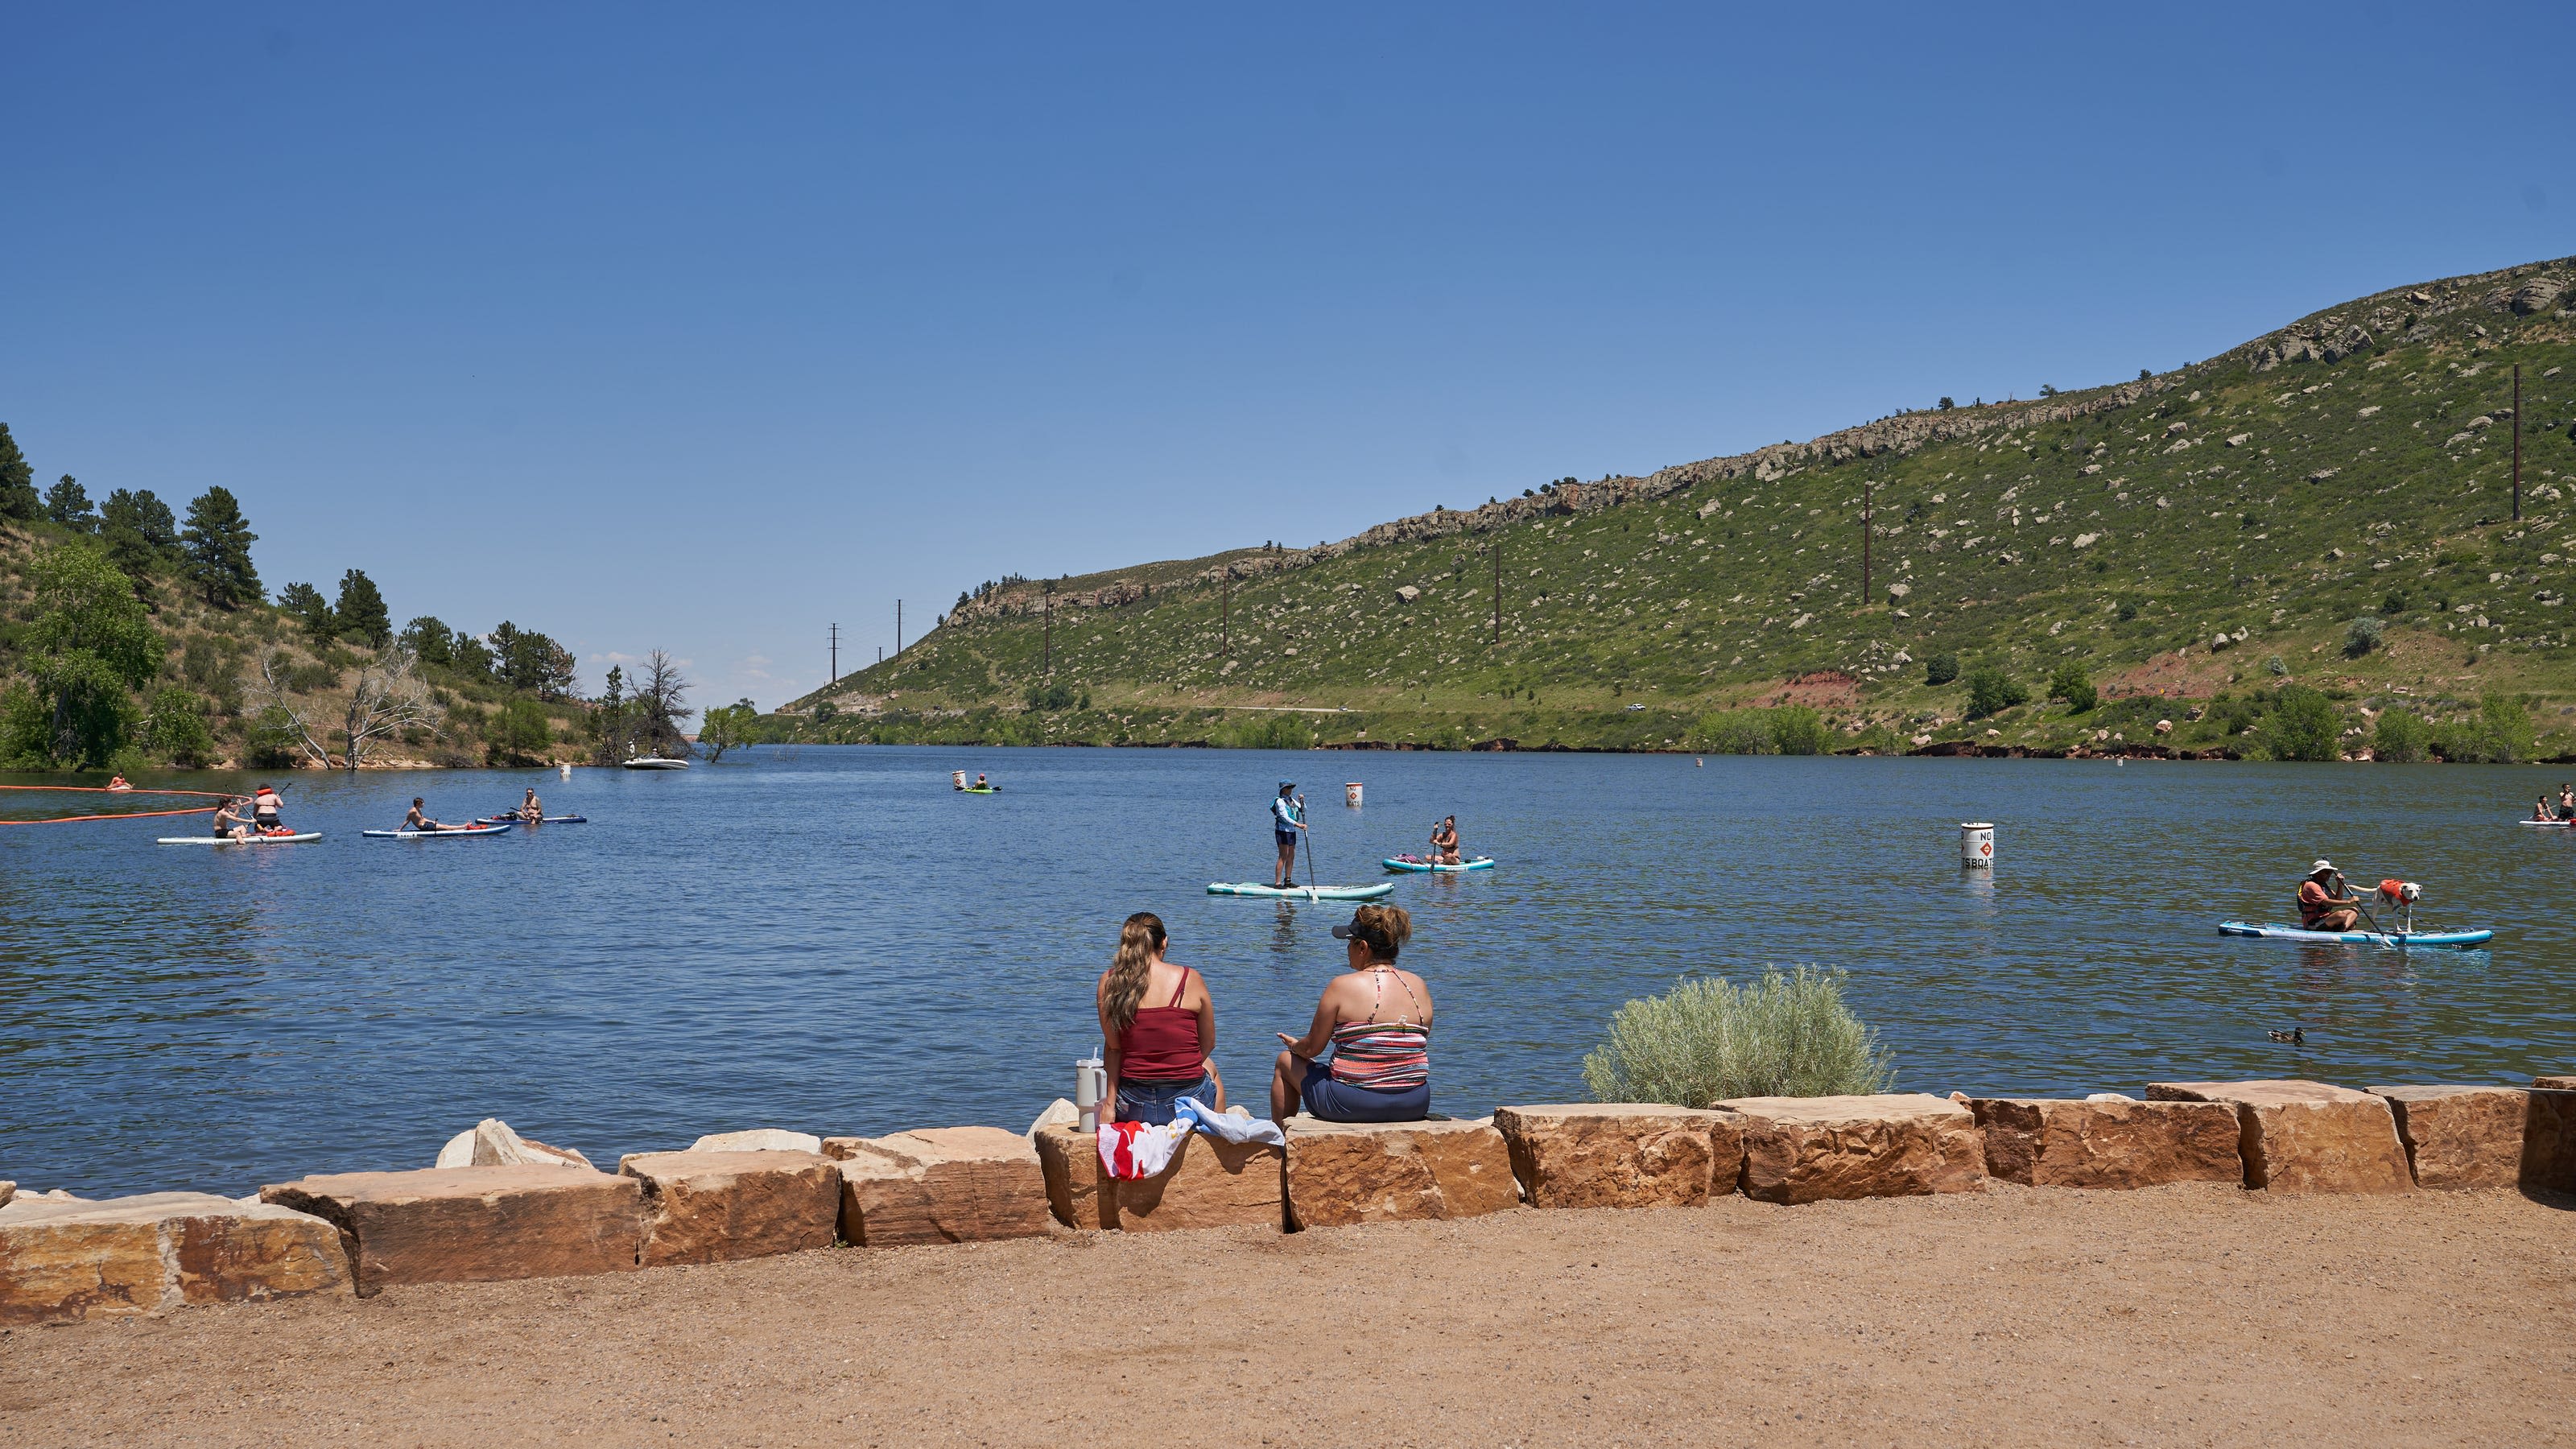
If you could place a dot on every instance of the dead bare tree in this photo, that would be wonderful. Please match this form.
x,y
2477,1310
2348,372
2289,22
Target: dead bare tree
x,y
390,696
661,701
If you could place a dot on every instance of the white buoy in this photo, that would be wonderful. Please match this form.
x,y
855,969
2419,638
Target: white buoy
x,y
567,769
1976,843
957,778
1351,793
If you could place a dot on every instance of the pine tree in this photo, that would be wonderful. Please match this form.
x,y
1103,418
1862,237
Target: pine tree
x,y
17,481
305,604
138,531
361,610
219,540
67,503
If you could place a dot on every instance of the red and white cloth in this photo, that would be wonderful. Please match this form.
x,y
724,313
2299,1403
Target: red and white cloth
x,y
1133,1150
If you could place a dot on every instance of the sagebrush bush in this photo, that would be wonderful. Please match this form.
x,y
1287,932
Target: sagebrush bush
x,y
1733,732
1786,1035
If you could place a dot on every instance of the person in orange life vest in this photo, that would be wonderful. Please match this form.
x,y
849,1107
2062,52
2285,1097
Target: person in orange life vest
x,y
2322,906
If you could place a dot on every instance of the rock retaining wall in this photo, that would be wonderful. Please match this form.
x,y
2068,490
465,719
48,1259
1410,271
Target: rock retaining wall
x,y
753,1194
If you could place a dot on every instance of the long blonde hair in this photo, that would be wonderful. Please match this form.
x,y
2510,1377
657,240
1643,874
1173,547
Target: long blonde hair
x,y
1139,942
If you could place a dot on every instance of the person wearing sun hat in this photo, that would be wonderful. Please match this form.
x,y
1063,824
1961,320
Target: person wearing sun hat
x,y
1287,817
2321,905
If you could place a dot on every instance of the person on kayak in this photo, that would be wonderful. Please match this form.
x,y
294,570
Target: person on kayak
x,y
1444,840
420,822
116,784
531,810
980,783
1287,817
2322,905
264,811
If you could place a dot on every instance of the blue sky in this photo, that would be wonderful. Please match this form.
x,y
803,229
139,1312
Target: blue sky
x,y
668,326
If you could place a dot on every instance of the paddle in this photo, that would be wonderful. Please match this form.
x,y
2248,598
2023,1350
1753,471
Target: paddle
x,y
1313,881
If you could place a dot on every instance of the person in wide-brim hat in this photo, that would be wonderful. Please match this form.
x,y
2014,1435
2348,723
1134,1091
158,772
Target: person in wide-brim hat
x,y
2321,906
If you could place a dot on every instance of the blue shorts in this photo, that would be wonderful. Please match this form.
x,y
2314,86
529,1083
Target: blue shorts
x,y
1152,1103
1341,1102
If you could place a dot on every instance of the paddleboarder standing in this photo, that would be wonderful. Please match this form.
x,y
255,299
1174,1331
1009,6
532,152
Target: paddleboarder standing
x,y
1287,817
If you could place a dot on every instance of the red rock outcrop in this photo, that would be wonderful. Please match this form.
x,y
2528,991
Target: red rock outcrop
x,y
2459,1137
2055,1142
474,1224
940,1185
1209,1184
2301,1136
1340,1173
1622,1154
1898,1144
2549,1140
711,1207
62,1261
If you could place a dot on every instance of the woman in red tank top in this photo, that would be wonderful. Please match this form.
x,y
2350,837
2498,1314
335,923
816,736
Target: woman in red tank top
x,y
1158,1053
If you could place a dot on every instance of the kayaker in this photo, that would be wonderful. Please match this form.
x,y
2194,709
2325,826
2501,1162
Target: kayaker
x,y
2322,904
1157,1029
1377,1020
1287,817
264,810
980,782
116,784
1444,840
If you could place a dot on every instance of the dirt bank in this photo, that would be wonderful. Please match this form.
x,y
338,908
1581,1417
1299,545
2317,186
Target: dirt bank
x,y
2185,1314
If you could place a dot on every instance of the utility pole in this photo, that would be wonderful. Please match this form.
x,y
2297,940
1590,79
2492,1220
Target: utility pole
x,y
1498,589
836,653
1867,496
2517,442
898,628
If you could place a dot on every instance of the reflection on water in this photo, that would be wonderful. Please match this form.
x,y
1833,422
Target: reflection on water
x,y
836,941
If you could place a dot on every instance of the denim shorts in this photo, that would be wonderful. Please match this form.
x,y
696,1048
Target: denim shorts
x,y
1152,1103
1341,1102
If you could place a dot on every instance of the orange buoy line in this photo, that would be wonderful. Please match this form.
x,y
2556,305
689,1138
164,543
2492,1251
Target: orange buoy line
x,y
118,815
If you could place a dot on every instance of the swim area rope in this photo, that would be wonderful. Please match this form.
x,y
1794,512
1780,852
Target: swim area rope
x,y
118,814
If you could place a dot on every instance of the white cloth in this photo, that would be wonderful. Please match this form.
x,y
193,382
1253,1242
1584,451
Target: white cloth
x,y
1227,1125
1130,1151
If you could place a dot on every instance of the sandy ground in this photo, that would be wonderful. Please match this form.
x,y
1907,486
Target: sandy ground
x,y
2180,1315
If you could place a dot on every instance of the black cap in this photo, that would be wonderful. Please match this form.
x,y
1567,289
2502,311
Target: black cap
x,y
1342,933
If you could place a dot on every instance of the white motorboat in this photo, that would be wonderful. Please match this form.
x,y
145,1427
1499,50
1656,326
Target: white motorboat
x,y
656,762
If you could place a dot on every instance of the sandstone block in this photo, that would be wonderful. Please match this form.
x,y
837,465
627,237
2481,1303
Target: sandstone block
x,y
759,1139
2047,1142
2301,1136
1340,1173
1622,1154
2548,1141
711,1207
1897,1144
940,1185
61,1261
2555,1084
491,1143
8,1190
2457,1137
1209,1184
474,1224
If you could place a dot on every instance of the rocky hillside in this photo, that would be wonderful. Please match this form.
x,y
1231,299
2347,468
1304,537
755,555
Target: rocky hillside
x,y
2328,504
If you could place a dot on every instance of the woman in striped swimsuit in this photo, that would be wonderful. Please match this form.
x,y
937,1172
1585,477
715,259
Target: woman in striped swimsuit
x,y
1377,1020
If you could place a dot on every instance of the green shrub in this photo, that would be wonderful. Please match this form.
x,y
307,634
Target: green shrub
x,y
1991,691
2499,733
1049,697
2401,737
1732,732
2362,637
176,729
2303,725
2274,667
1707,1040
2072,684
273,742
518,734
1798,730
1940,669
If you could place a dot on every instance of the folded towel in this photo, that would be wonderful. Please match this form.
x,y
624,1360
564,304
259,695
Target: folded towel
x,y
1231,1125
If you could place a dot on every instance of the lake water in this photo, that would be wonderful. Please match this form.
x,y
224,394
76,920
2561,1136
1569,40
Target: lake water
x,y
831,939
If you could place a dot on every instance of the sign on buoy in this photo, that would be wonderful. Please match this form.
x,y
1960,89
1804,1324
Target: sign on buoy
x,y
1351,793
1976,843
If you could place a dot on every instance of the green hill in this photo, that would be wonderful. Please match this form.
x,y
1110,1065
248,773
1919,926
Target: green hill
x,y
2195,541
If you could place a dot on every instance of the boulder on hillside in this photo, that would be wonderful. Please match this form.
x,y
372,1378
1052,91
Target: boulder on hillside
x,y
474,1224
66,1260
2107,1141
1341,1173
2460,1137
491,1143
1896,1144
759,1139
1407,593
2302,1136
1209,1184
939,1185
717,1206
1622,1154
